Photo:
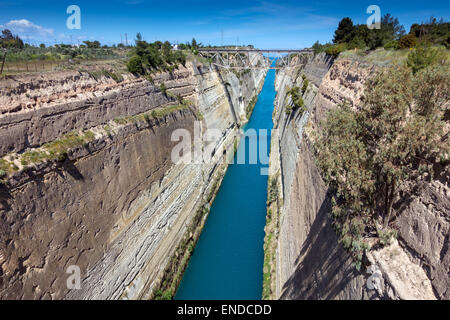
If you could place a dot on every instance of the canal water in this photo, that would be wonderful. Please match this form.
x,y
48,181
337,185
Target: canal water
x,y
227,262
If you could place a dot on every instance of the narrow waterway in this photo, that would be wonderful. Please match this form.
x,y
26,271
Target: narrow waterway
x,y
228,260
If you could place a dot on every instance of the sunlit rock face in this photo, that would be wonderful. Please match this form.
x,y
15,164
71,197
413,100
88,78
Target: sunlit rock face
x,y
116,207
310,262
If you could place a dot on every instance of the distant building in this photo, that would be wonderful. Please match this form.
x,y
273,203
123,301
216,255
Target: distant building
x,y
175,47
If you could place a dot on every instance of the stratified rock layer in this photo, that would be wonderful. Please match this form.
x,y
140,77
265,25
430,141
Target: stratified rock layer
x,y
116,207
310,262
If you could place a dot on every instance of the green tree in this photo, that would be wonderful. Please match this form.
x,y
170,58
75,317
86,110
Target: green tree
x,y
92,44
424,56
317,47
8,40
408,41
434,31
148,57
392,45
336,49
366,156
194,44
344,31
356,43
135,65
390,30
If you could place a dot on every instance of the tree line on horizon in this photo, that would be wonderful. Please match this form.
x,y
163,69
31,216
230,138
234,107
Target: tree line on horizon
x,y
391,35
157,56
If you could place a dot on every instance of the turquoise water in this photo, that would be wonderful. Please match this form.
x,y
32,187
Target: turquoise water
x,y
228,259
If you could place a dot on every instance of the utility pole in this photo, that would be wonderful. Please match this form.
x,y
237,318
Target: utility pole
x,y
121,40
126,39
3,62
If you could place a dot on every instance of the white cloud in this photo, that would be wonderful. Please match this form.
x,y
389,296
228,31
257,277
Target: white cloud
x,y
24,27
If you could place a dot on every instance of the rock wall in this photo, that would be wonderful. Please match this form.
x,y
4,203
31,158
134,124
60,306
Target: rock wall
x,y
309,261
117,206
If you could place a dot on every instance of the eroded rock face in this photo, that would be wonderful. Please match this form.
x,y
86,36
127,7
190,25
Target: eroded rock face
x,y
76,214
36,111
424,225
311,264
117,207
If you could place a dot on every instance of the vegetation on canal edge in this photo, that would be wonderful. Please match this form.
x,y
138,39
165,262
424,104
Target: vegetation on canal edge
x,y
57,149
397,136
174,271
251,105
270,239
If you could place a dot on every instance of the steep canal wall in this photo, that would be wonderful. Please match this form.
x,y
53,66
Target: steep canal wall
x,y
88,181
303,257
227,262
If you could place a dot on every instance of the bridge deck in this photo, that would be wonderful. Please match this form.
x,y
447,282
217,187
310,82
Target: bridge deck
x,y
256,50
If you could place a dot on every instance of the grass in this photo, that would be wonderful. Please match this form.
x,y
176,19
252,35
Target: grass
x,y
251,106
155,114
31,66
6,168
179,261
107,129
98,74
191,57
57,149
13,67
162,112
200,116
270,238
163,88
267,275
173,272
379,57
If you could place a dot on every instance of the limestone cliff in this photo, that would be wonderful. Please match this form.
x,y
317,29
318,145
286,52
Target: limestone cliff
x,y
111,202
304,259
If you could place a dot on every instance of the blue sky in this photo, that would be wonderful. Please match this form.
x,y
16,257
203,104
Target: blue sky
x,y
265,24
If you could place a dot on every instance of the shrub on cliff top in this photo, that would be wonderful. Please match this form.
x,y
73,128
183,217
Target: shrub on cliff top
x,y
305,85
297,100
163,88
424,56
391,45
408,41
147,57
336,49
135,65
366,156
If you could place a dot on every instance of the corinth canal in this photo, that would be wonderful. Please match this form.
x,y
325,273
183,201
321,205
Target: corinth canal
x,y
228,260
